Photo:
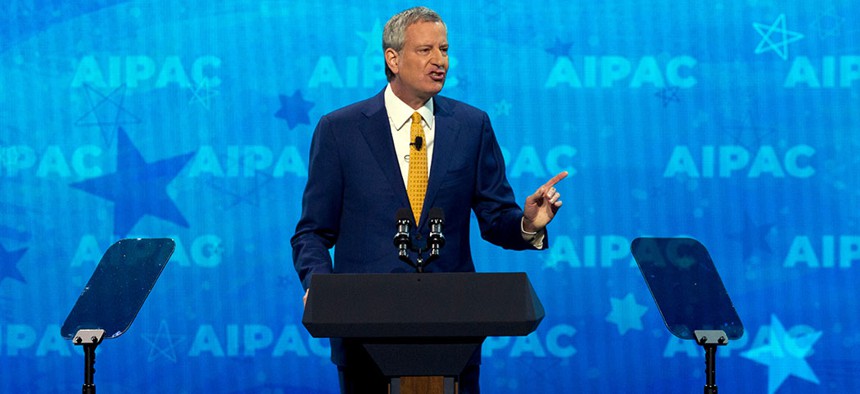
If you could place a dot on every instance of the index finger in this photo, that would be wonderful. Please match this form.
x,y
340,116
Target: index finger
x,y
555,179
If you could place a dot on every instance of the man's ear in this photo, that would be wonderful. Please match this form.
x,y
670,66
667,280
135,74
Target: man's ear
x,y
392,59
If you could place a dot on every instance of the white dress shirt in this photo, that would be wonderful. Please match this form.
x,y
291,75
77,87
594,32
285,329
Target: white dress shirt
x,y
400,121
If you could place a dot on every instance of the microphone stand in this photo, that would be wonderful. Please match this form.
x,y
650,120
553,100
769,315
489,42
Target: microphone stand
x,y
435,240
404,239
419,263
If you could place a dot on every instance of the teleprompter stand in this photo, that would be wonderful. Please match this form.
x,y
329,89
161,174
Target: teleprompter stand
x,y
89,339
114,295
421,329
689,294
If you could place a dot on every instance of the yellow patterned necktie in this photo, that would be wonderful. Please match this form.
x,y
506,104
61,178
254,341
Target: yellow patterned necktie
x,y
416,183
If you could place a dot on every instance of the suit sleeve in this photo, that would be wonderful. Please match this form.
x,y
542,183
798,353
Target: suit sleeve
x,y
499,216
319,224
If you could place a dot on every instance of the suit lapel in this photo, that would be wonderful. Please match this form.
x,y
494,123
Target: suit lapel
x,y
377,133
445,142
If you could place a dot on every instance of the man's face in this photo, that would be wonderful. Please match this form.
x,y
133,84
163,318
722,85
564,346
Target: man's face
x,y
420,67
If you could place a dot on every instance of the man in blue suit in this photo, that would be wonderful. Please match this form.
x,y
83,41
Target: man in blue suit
x,y
359,173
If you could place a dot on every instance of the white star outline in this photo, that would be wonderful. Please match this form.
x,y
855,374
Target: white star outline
x,y
780,46
162,344
205,99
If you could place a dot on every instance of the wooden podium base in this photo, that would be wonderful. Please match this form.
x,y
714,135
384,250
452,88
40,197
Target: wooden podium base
x,y
422,385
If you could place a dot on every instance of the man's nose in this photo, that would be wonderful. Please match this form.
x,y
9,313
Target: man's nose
x,y
439,58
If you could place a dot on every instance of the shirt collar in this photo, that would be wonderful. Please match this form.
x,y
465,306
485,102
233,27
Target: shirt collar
x,y
400,113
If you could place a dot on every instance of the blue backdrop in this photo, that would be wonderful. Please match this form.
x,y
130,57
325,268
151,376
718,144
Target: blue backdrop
x,y
732,121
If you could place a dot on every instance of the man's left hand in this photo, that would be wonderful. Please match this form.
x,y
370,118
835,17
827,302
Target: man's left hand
x,y
542,205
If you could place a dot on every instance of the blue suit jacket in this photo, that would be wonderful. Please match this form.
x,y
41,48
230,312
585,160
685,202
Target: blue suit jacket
x,y
355,188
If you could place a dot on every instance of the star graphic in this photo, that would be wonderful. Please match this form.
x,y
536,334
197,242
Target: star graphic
x,y
749,136
294,109
8,264
543,371
162,344
552,261
769,43
17,234
829,24
626,313
668,95
251,195
373,38
138,187
106,111
784,355
560,48
203,94
503,108
752,237
746,130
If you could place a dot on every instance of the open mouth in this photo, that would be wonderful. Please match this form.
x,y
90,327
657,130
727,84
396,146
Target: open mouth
x,y
437,76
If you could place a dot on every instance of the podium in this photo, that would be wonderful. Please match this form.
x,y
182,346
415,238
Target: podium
x,y
421,329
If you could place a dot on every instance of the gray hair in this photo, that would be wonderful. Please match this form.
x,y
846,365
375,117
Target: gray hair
x,y
394,33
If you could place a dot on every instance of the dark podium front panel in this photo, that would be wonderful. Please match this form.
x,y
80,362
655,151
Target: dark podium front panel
x,y
421,324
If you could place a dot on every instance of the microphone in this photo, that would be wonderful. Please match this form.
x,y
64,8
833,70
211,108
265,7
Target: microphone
x,y
418,143
436,239
402,238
